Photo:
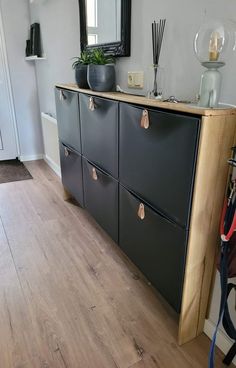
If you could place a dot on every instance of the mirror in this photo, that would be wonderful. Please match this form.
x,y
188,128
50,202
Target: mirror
x,y
106,24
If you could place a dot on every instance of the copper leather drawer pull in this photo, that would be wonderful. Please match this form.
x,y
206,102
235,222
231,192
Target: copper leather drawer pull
x,y
67,152
141,211
94,174
62,96
145,123
92,104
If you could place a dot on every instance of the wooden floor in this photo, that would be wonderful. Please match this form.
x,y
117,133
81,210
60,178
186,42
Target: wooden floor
x,y
69,298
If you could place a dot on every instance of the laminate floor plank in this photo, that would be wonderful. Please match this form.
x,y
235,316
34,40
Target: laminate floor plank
x,y
75,300
17,344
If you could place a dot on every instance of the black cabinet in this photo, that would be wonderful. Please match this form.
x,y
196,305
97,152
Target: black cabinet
x,y
99,125
135,176
67,105
72,173
101,198
158,162
154,244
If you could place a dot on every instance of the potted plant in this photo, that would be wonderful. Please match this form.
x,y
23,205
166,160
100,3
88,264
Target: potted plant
x,y
81,65
101,71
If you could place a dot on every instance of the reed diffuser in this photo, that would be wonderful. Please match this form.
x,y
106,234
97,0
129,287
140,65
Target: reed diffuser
x,y
158,29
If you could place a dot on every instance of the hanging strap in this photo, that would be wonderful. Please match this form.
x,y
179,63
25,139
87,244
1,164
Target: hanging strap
x,y
228,226
230,355
228,219
223,282
229,328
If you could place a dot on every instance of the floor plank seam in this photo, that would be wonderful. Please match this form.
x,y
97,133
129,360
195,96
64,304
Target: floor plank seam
x,y
13,260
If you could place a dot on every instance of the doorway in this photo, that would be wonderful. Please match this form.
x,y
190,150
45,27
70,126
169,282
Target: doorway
x,y
8,133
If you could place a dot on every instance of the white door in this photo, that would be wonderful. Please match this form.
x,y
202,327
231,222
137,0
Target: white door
x,y
8,139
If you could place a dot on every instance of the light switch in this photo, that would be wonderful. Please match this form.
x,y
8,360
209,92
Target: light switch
x,y
135,79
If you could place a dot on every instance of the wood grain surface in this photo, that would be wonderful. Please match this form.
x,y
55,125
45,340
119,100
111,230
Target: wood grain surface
x,y
144,101
217,138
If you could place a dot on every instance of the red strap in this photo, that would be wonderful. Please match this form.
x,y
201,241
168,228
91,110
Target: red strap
x,y
232,229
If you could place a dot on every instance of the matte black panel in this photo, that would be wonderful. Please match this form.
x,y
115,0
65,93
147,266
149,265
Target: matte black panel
x,y
101,198
100,133
72,173
155,245
67,106
158,163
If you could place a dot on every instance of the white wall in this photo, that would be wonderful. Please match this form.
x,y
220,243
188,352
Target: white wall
x,y
182,70
60,34
16,21
59,22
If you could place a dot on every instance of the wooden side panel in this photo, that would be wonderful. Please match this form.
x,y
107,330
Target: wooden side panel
x,y
217,137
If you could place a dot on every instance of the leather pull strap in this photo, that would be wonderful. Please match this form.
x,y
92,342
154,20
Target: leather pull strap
x,y
62,96
145,123
94,174
67,152
141,211
92,105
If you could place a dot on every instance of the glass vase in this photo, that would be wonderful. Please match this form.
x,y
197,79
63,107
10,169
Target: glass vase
x,y
155,82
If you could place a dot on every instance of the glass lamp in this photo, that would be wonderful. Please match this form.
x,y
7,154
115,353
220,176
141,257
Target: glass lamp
x,y
212,45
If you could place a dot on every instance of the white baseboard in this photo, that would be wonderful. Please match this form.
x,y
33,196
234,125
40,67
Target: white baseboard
x,y
53,165
31,157
223,342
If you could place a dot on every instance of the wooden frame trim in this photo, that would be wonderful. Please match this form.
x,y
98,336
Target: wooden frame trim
x,y
216,138
120,48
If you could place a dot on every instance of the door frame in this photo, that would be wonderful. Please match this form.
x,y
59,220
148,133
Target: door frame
x,y
8,84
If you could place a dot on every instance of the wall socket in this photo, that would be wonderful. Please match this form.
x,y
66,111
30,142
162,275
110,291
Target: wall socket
x,y
135,79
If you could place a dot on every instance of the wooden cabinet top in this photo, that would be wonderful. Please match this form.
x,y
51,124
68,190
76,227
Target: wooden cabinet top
x,y
144,101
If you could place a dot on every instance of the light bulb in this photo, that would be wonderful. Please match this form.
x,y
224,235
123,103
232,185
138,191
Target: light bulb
x,y
215,46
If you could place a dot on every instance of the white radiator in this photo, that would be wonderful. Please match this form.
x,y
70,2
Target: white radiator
x,y
51,143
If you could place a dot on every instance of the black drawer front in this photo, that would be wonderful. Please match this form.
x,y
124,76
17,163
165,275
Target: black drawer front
x,y
101,198
100,132
72,173
67,106
158,163
155,245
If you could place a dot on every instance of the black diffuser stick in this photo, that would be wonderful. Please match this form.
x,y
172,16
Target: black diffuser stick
x,y
160,36
153,41
159,39
158,43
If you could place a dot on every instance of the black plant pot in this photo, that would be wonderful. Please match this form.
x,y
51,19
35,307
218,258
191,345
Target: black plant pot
x,y
81,75
101,78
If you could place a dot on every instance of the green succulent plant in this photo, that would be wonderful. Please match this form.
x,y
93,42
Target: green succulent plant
x,y
83,59
98,57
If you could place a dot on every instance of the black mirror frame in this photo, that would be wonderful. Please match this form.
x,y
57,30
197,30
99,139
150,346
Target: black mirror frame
x,y
120,48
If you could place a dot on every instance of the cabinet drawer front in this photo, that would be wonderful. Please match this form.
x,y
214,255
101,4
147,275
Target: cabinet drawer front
x,y
158,162
99,126
67,106
101,198
155,245
72,173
